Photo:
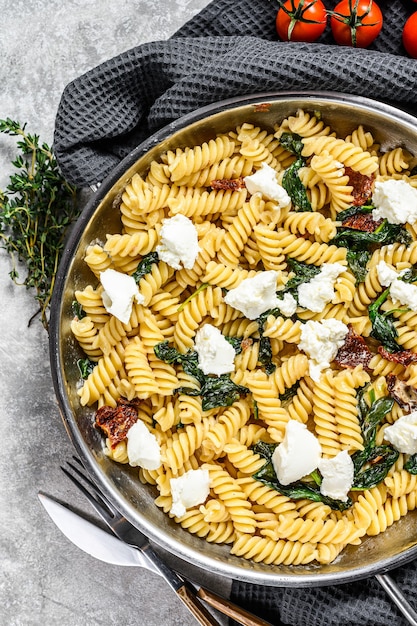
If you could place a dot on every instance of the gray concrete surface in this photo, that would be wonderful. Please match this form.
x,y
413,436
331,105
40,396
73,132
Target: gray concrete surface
x,y
44,579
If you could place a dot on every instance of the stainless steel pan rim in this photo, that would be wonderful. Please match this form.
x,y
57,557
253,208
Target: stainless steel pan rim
x,y
393,548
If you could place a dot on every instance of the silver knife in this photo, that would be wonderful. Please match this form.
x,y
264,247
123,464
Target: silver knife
x,y
108,548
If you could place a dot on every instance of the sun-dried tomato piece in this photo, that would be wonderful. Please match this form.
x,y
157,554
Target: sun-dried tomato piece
x,y
362,221
404,357
354,351
246,343
405,395
234,184
362,186
116,421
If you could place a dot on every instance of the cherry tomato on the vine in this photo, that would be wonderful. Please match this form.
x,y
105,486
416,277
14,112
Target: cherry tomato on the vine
x,y
301,20
356,22
410,35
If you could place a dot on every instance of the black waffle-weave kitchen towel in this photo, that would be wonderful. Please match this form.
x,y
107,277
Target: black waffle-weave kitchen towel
x,y
231,49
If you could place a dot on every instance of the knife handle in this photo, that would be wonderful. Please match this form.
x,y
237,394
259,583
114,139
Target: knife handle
x,y
190,599
231,610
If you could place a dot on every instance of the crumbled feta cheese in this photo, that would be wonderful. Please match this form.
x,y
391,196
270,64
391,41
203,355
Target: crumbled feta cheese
x,y
321,341
119,292
264,181
142,447
386,274
396,201
315,294
403,433
298,454
188,490
337,476
288,305
179,242
215,354
254,295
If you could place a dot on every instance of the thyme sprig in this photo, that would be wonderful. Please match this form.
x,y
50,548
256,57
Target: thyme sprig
x,y
36,209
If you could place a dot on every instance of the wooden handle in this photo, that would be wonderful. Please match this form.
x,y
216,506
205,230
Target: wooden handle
x,y
231,610
192,602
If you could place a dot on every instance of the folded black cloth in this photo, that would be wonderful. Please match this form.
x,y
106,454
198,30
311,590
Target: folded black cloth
x,y
230,49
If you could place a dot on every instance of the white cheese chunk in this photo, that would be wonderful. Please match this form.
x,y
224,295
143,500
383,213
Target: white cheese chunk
x,y
396,201
337,476
143,449
215,354
298,454
403,433
321,341
255,295
119,292
287,305
179,242
315,294
386,274
188,490
264,181
404,294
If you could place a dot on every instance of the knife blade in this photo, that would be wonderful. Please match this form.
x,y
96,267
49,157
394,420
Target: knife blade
x,y
106,547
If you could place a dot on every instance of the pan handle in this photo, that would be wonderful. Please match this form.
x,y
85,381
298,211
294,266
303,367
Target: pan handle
x,y
397,596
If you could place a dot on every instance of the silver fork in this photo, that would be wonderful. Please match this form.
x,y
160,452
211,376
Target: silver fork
x,y
189,593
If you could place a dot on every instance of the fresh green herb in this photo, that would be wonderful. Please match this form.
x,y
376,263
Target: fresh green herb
x,y
291,180
145,265
77,310
383,328
411,464
85,367
215,391
297,490
36,210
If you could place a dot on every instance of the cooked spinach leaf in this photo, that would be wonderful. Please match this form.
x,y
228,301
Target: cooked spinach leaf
x,y
383,328
372,465
145,265
291,180
292,142
265,355
289,393
354,210
236,342
85,367
295,188
77,310
385,233
411,464
357,262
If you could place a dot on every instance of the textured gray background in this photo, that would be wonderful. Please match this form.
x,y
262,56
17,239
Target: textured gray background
x,y
44,579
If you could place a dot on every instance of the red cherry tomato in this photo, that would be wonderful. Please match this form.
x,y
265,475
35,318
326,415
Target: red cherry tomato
x,y
356,22
410,35
301,20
